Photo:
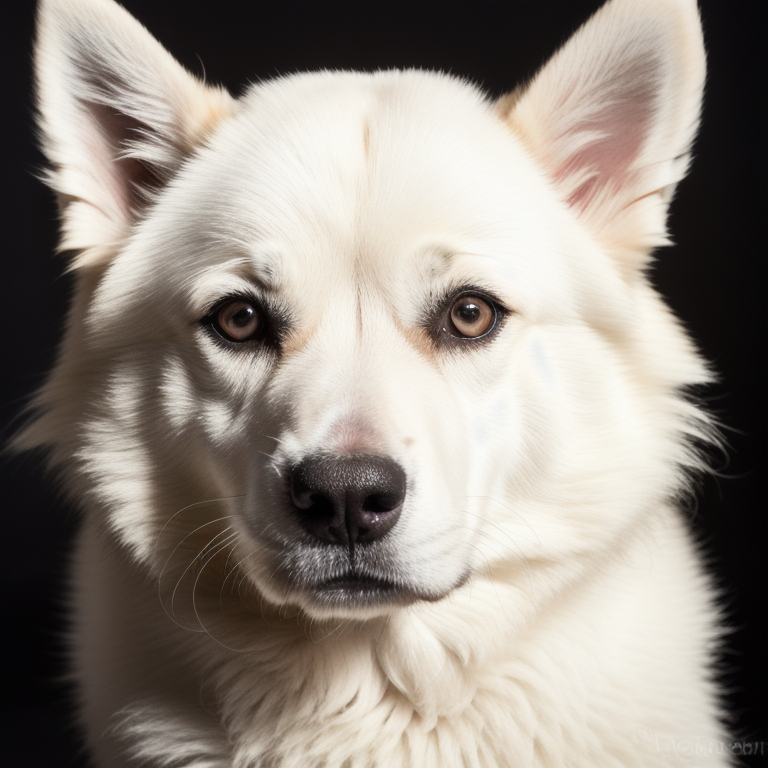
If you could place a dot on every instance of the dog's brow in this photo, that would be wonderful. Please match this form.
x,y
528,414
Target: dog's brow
x,y
233,276
264,268
258,268
438,260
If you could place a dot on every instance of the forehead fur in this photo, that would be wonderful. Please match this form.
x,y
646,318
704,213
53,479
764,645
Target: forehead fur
x,y
369,150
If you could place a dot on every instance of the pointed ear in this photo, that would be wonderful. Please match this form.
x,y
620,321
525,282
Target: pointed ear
x,y
117,115
612,116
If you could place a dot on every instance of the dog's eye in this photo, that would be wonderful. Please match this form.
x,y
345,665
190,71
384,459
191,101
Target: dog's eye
x,y
472,317
239,320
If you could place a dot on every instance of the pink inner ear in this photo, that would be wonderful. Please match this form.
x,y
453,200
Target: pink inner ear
x,y
622,124
135,178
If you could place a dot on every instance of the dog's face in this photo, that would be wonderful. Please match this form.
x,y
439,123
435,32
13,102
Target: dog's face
x,y
344,331
369,340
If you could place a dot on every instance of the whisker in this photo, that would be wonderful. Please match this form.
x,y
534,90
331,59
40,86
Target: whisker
x,y
199,504
220,547
192,533
192,562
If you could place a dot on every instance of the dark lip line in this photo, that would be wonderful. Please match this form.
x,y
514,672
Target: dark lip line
x,y
380,588
353,580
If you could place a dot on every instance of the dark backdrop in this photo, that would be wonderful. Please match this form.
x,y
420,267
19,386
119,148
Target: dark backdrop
x,y
715,279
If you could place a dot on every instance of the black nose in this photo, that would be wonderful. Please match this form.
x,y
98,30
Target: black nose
x,y
348,499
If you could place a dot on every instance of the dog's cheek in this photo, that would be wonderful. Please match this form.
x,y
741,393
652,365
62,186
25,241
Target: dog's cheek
x,y
211,406
582,408
487,408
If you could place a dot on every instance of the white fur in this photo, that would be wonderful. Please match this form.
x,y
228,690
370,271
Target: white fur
x,y
572,624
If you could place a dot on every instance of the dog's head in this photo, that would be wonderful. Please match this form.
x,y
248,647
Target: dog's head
x,y
368,337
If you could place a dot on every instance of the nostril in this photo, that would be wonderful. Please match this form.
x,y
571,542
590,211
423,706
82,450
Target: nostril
x,y
314,502
381,502
304,494
348,499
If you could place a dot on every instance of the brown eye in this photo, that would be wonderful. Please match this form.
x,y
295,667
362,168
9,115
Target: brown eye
x,y
472,317
239,321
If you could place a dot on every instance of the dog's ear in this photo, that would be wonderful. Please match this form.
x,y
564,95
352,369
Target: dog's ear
x,y
612,116
118,116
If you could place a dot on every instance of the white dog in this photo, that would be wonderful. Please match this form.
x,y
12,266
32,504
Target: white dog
x,y
377,426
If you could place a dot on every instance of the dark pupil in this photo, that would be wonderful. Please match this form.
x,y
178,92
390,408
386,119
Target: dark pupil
x,y
242,317
469,312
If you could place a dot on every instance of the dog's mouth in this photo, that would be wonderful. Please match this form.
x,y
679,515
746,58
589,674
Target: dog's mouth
x,y
353,589
326,582
355,584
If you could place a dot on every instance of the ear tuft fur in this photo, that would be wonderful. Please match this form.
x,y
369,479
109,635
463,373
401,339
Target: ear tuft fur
x,y
118,116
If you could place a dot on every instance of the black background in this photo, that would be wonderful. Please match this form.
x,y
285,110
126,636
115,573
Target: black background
x,y
714,278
